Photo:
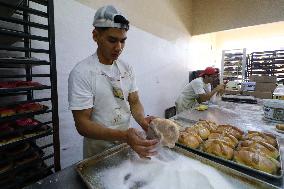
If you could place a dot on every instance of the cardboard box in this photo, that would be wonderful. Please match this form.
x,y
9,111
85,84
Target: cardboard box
x,y
265,87
248,86
259,94
263,78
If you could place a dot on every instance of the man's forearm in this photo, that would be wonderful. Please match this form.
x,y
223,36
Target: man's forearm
x,y
207,96
137,112
90,129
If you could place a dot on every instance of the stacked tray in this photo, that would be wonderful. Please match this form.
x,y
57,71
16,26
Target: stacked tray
x,y
16,132
276,177
240,99
22,162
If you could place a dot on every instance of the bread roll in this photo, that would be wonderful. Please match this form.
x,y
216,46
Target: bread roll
x,y
261,147
257,161
219,148
224,136
280,127
190,139
201,130
259,136
210,125
236,132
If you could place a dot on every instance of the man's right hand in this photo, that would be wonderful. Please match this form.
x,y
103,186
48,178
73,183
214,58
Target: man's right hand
x,y
220,89
143,147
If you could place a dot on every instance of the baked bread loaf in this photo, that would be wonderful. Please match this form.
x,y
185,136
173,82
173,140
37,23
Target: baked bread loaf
x,y
257,160
29,107
280,127
165,130
224,136
259,146
190,139
219,148
259,136
210,125
26,122
4,112
236,132
199,129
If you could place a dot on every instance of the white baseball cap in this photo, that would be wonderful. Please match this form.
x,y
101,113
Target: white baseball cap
x,y
108,16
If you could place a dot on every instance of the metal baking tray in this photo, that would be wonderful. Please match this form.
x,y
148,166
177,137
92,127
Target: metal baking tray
x,y
234,164
90,169
239,99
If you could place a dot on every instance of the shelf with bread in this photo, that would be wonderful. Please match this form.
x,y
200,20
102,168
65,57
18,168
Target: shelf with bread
x,y
14,62
235,148
233,65
11,113
9,87
12,133
28,85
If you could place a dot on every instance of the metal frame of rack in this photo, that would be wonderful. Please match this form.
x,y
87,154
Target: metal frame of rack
x,y
233,65
266,63
27,63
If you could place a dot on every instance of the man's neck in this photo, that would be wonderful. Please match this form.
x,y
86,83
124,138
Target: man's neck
x,y
102,59
205,80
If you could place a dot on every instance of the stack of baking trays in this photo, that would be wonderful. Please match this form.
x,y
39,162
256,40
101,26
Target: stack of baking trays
x,y
21,160
254,153
20,163
239,98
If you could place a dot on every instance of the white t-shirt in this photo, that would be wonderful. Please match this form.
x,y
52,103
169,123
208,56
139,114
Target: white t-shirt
x,y
82,84
189,94
105,89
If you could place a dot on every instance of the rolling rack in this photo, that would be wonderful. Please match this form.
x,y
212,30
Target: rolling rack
x,y
29,123
233,65
266,63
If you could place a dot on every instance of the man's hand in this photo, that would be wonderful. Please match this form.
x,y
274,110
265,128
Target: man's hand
x,y
220,89
149,119
146,122
144,148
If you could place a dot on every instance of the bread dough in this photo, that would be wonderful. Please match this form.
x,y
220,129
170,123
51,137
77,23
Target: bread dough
x,y
165,130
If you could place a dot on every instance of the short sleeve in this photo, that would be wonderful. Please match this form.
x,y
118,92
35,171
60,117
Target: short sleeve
x,y
80,94
198,87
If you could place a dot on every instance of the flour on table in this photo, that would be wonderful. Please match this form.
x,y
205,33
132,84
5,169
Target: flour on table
x,y
167,170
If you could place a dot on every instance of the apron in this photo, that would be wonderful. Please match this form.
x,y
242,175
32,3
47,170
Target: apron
x,y
111,107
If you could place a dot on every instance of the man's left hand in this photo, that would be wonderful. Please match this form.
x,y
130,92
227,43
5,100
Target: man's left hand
x,y
147,121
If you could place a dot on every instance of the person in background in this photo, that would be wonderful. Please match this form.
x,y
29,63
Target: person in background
x,y
198,90
102,91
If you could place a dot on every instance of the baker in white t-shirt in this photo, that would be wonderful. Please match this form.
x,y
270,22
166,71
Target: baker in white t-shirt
x,y
102,91
198,90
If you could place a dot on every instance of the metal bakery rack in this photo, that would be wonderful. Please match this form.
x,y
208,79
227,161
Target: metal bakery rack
x,y
29,124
